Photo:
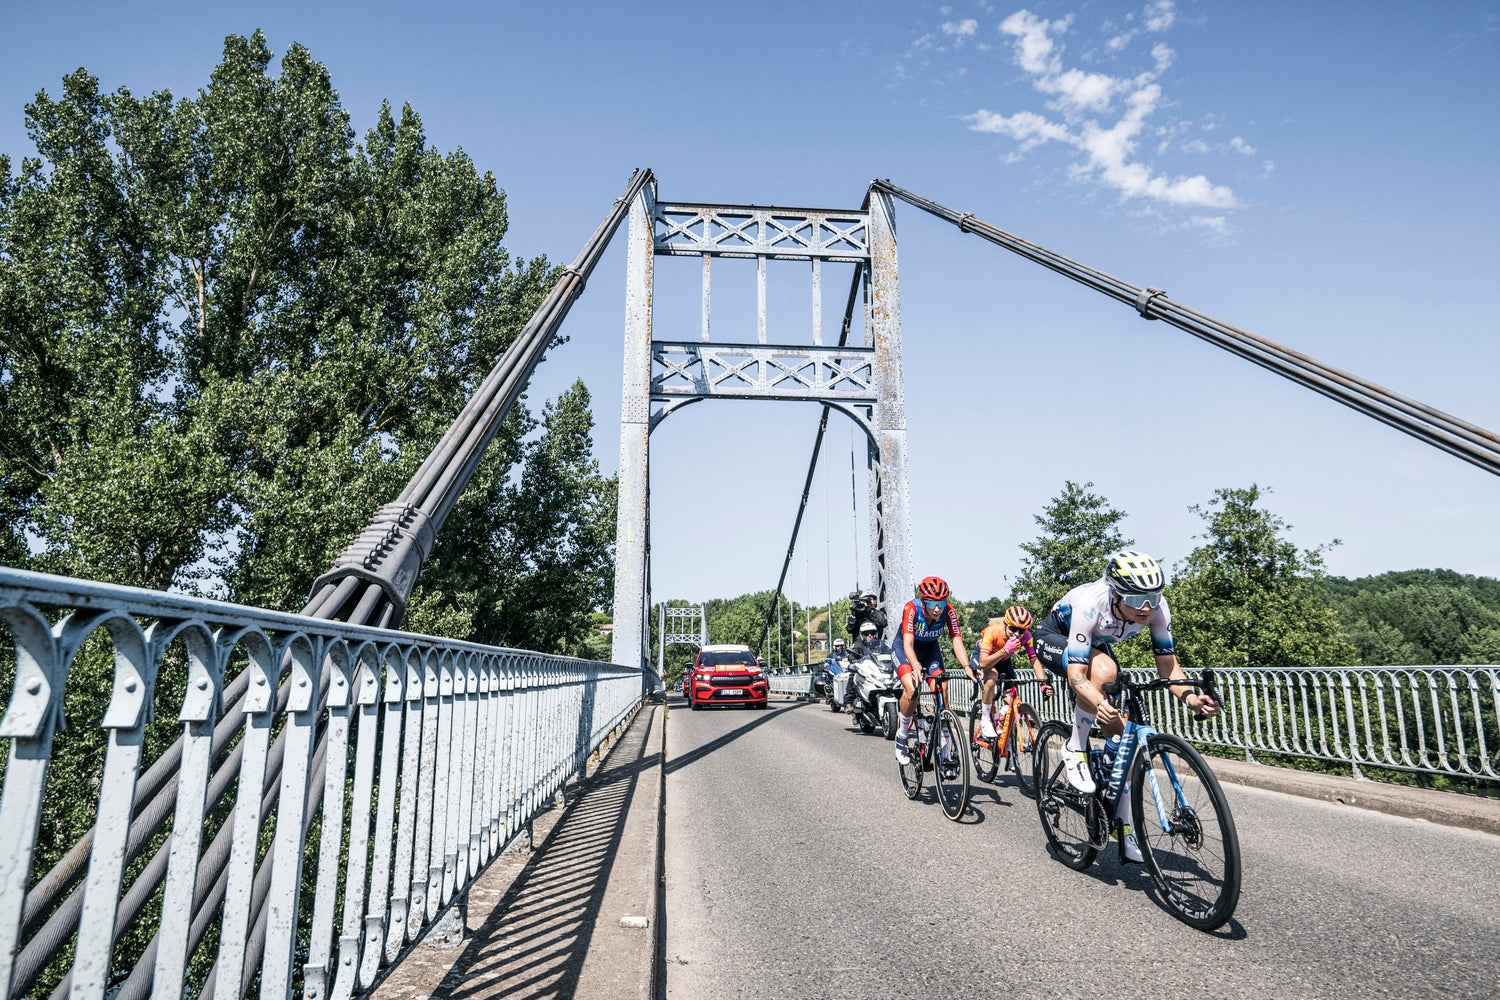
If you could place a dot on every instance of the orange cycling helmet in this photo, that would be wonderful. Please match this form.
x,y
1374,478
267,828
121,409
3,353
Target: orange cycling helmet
x,y
933,588
1018,617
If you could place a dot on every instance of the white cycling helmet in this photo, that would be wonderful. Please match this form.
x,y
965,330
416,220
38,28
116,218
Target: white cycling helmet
x,y
1132,572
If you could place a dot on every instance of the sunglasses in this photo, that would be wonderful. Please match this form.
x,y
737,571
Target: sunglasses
x,y
933,605
1142,602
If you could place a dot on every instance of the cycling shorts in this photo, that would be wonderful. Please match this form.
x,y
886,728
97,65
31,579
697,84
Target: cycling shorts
x,y
1052,650
928,655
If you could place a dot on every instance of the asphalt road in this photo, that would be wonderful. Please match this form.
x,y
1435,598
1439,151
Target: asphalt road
x,y
796,868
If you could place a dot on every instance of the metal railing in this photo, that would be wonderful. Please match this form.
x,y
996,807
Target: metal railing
x,y
792,684
421,758
1423,719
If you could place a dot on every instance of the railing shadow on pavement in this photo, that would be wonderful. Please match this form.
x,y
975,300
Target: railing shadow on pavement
x,y
677,763
534,942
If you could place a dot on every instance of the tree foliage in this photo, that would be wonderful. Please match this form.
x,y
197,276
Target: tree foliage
x,y
1079,529
1247,596
1420,616
231,332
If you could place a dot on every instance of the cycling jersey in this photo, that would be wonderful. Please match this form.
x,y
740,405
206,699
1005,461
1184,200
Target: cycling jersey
x,y
1084,619
998,637
916,625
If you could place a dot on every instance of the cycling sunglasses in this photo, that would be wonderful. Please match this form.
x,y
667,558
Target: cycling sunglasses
x,y
933,605
1142,602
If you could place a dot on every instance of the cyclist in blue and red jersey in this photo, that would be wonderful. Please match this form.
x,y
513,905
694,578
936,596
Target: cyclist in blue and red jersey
x,y
924,622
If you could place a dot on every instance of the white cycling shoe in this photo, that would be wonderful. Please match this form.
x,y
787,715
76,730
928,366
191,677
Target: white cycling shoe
x,y
987,726
1130,847
1076,767
902,756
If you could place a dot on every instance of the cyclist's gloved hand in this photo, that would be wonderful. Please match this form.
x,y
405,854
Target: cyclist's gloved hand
x,y
1107,714
1206,707
1046,690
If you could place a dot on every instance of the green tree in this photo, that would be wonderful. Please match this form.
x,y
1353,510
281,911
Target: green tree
x,y
1079,529
1247,596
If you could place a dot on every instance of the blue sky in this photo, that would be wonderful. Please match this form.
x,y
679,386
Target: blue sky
x,y
1322,174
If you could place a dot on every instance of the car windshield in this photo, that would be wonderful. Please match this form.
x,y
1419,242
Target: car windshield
x,y
732,658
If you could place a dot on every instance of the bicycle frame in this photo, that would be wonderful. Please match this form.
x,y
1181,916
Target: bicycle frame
x,y
1132,742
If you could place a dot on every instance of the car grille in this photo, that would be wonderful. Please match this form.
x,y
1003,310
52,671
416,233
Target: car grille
x,y
730,682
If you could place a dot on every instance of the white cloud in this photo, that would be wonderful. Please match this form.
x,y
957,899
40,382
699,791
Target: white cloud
x,y
963,28
1242,147
1195,145
1085,101
1157,16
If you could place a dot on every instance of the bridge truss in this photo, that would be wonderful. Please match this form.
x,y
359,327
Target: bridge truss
x,y
863,380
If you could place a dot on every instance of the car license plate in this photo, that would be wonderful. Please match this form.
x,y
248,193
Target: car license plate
x,y
733,693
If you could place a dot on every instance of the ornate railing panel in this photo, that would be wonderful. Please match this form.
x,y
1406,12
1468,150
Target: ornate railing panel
x,y
422,757
1425,719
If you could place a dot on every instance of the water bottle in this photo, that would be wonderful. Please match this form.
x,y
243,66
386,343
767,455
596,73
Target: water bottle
x,y
1111,747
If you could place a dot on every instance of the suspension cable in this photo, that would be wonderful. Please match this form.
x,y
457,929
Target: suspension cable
x,y
1457,437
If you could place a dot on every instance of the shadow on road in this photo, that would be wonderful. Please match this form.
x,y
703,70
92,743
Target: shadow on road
x,y
761,718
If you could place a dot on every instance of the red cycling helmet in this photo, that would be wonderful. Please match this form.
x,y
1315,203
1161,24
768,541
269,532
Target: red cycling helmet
x,y
933,588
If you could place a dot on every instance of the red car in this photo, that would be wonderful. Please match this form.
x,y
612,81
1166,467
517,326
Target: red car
x,y
725,675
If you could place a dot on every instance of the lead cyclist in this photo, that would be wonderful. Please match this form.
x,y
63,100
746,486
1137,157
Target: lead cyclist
x,y
1075,641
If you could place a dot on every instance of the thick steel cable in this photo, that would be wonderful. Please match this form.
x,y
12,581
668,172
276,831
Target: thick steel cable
x,y
812,466
1470,442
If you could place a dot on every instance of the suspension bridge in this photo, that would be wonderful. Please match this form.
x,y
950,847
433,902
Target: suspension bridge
x,y
338,789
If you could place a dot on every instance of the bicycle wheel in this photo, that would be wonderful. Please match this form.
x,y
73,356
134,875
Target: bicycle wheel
x,y
1194,856
1024,729
986,757
951,775
911,772
1062,809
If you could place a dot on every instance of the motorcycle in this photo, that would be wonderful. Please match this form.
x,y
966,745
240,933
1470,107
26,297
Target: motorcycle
x,y
869,691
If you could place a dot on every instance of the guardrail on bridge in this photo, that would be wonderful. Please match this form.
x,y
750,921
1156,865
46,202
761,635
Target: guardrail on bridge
x,y
453,748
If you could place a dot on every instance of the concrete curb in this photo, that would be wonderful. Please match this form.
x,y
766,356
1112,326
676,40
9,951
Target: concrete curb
x,y
1471,812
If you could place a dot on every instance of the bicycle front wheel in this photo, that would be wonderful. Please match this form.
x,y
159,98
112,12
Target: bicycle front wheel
x,y
1024,731
951,775
986,757
1063,810
1186,832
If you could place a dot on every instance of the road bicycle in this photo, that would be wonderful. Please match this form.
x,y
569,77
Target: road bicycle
x,y
1180,816
1014,742
936,744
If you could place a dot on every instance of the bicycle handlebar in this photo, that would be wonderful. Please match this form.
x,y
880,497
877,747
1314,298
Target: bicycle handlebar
x,y
1204,683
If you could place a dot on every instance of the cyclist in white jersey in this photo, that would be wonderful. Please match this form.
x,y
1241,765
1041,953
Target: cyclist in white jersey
x,y
1074,642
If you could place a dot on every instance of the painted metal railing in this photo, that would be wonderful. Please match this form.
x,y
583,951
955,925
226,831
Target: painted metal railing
x,y
790,684
1424,719
419,758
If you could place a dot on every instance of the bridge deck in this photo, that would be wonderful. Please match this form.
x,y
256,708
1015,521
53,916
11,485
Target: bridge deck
x,y
548,923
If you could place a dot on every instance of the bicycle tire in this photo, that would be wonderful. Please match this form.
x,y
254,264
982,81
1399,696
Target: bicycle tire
x,y
1024,729
911,772
986,757
1061,809
952,793
1172,856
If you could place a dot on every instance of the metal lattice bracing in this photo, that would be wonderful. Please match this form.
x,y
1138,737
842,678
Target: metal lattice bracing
x,y
750,231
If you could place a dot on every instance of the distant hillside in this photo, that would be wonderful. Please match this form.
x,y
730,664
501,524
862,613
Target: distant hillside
x,y
1419,616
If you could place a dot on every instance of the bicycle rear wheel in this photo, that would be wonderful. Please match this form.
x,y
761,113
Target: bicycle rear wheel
x,y
1062,809
986,757
1024,731
1186,832
951,775
911,771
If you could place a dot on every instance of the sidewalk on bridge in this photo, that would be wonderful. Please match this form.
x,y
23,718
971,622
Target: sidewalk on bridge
x,y
575,918
1446,808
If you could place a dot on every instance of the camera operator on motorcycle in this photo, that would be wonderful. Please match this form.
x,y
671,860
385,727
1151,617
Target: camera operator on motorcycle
x,y
865,608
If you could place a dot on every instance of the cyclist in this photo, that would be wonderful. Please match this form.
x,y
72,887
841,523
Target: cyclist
x,y
923,622
998,643
1075,639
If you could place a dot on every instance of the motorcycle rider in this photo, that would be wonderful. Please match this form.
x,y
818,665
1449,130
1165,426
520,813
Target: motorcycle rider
x,y
868,643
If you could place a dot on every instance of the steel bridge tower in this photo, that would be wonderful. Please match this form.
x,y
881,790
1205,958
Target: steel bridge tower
x,y
865,381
